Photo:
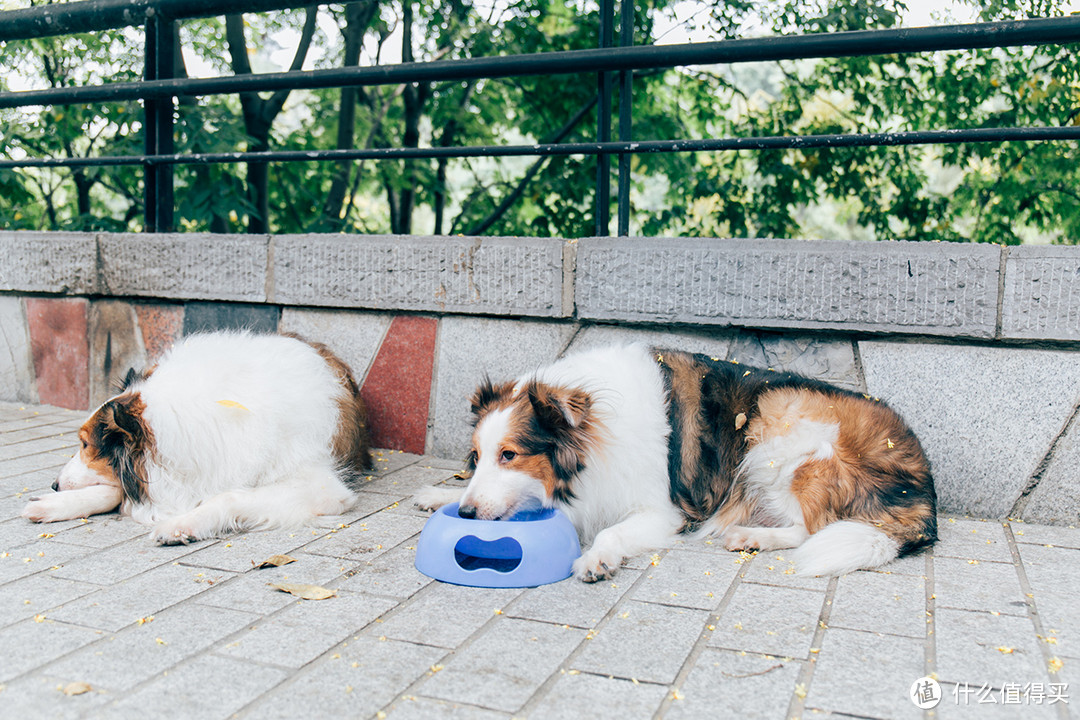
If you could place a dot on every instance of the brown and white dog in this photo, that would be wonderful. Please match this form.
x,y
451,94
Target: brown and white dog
x,y
229,431
638,446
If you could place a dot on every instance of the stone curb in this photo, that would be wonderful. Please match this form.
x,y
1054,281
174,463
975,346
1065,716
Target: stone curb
x,y
936,289
497,276
923,288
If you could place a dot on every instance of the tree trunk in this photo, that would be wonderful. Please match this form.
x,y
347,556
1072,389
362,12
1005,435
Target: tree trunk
x,y
259,114
358,18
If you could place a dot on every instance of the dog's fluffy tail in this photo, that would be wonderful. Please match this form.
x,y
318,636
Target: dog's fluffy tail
x,y
844,546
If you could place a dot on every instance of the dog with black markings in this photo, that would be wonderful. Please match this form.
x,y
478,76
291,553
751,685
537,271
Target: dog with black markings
x,y
639,446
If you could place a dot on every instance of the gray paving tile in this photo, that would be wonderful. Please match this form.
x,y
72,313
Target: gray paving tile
x,y
432,461
209,686
306,629
777,568
29,644
39,461
12,448
866,674
366,504
390,461
1068,537
121,561
513,658
976,585
724,683
1060,615
772,620
412,707
687,579
405,482
978,702
445,615
392,573
239,553
125,602
364,675
249,592
908,565
876,602
40,555
573,602
125,659
1050,568
974,539
40,696
582,695
975,647
368,537
103,531
643,641
38,594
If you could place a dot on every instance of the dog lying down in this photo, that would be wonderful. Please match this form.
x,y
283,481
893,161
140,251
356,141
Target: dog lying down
x,y
638,446
229,431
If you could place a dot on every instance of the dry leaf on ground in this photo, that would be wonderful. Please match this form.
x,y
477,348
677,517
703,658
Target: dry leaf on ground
x,y
76,688
307,592
274,561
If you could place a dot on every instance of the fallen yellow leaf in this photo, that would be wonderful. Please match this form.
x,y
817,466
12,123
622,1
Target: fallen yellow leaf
x,y
274,561
76,688
304,591
232,404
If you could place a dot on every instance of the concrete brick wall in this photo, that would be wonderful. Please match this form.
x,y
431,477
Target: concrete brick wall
x,y
977,346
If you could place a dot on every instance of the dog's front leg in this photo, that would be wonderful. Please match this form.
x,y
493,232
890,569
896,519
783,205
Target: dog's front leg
x,y
433,498
637,533
71,504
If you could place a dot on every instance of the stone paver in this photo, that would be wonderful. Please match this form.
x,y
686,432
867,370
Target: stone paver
x,y
689,632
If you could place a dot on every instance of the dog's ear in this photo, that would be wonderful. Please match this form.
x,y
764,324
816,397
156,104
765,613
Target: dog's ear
x,y
123,443
565,415
133,376
557,408
488,394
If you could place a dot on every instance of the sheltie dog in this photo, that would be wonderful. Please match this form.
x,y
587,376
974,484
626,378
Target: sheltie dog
x,y
229,431
638,446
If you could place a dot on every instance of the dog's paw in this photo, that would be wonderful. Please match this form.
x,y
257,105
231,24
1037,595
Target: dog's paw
x,y
595,565
38,510
433,498
173,532
51,508
737,539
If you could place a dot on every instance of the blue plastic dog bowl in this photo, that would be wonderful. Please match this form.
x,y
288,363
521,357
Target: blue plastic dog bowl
x,y
531,548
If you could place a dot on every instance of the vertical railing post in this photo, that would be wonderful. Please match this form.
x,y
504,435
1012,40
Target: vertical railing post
x,y
158,122
603,123
626,108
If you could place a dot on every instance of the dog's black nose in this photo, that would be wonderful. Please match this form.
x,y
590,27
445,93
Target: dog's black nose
x,y
56,485
467,511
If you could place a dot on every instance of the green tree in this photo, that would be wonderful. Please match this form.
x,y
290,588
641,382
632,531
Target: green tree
x,y
1006,192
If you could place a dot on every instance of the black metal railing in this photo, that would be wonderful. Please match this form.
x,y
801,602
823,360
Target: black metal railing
x,y
159,89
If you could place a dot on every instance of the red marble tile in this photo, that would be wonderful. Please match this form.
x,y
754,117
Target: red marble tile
x,y
161,324
60,346
398,386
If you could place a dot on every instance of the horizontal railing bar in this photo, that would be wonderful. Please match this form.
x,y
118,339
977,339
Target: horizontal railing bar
x,y
782,142
94,15
863,42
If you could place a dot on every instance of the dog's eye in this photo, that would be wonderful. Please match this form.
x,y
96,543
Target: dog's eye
x,y
507,455
83,444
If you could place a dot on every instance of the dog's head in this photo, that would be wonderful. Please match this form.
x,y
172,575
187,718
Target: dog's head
x,y
528,445
114,442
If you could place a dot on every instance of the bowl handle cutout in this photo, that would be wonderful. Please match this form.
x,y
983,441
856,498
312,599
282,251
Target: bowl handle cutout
x,y
502,555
